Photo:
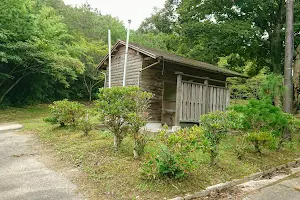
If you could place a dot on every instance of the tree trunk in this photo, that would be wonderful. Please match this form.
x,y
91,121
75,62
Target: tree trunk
x,y
90,94
288,62
117,142
135,151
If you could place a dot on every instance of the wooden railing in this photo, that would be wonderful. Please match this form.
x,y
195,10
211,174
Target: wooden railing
x,y
195,99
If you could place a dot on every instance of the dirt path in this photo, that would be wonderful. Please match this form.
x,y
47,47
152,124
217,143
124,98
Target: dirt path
x,y
24,174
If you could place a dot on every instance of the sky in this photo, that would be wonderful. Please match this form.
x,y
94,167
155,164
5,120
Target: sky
x,y
136,10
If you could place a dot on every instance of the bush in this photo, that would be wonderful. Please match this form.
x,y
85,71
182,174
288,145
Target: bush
x,y
85,123
272,89
65,112
172,160
261,115
240,147
261,139
138,118
164,164
122,109
215,126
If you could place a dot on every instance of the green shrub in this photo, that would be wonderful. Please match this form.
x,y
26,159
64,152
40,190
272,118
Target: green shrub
x,y
165,164
272,89
138,118
240,147
215,126
65,112
261,115
172,159
261,139
85,124
123,111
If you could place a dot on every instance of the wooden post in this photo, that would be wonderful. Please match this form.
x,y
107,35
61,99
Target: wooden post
x,y
178,98
206,92
227,95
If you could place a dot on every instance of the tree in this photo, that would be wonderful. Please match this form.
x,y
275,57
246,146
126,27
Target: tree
x,y
213,29
161,21
289,50
90,23
33,41
90,53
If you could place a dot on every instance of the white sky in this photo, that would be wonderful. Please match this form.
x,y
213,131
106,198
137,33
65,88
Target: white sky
x,y
136,10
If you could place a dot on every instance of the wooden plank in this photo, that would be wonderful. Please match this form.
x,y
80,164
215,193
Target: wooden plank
x,y
194,101
206,92
188,116
178,99
184,103
200,99
227,98
218,99
222,99
211,98
193,82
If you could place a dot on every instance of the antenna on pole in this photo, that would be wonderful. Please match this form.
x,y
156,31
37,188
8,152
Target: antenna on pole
x,y
126,53
109,58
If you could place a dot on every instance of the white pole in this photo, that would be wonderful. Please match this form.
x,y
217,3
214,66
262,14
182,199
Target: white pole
x,y
109,59
126,53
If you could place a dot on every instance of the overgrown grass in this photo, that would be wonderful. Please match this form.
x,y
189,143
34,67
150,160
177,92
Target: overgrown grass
x,y
116,176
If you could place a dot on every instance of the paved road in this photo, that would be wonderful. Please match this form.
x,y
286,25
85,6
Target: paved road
x,y
23,176
284,190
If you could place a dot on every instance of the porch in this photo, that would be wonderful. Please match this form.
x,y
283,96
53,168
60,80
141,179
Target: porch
x,y
191,97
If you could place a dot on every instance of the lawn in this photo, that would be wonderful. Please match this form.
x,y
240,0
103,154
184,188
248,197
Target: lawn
x,y
117,176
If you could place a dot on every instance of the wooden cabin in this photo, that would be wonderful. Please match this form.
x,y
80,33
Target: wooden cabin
x,y
183,88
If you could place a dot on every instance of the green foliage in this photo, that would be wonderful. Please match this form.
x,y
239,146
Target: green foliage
x,y
123,110
220,28
85,124
138,118
172,159
240,147
261,139
66,113
50,51
250,88
261,115
165,164
272,88
215,126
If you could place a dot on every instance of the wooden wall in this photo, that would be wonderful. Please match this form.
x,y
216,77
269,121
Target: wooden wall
x,y
152,80
198,99
134,65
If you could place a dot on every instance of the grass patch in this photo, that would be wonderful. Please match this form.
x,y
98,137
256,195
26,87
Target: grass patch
x,y
116,176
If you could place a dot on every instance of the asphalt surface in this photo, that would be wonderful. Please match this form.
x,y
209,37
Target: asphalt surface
x,y
283,190
23,176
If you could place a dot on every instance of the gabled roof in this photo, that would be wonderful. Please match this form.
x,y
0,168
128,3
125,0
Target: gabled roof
x,y
171,57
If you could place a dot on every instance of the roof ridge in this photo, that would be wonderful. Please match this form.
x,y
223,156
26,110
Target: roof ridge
x,y
173,57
